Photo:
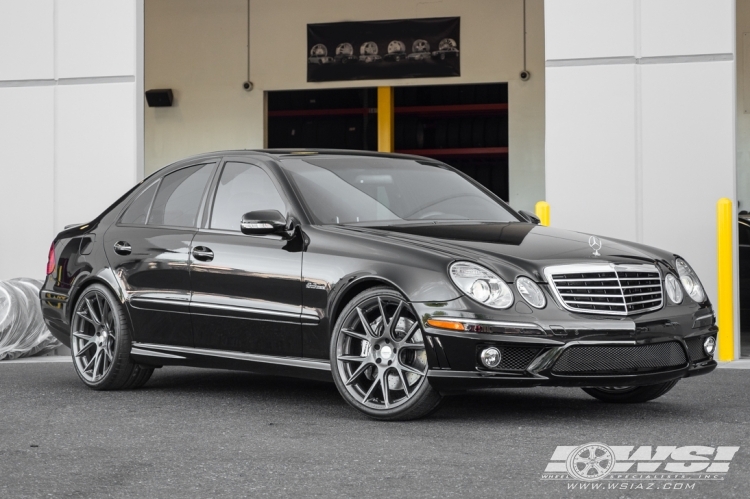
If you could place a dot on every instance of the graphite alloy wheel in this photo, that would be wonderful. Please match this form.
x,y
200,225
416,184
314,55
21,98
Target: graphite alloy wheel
x,y
378,357
630,394
100,342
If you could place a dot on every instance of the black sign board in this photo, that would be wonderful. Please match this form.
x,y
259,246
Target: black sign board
x,y
404,48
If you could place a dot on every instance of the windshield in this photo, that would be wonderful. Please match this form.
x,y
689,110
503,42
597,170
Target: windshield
x,y
341,190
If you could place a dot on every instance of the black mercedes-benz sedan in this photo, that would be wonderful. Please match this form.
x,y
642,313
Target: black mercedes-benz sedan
x,y
398,277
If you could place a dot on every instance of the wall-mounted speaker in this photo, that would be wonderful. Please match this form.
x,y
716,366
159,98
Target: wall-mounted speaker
x,y
159,97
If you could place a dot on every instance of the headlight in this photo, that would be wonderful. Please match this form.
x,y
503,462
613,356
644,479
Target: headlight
x,y
690,281
481,285
674,290
531,292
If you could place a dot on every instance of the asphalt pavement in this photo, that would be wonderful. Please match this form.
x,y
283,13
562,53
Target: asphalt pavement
x,y
210,433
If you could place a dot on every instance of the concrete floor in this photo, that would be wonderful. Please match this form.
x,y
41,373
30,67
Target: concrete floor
x,y
209,433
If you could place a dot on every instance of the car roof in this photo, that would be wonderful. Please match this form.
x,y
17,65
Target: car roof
x,y
278,154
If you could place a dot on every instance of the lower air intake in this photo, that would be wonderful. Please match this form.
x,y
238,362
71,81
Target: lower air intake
x,y
625,359
516,358
695,349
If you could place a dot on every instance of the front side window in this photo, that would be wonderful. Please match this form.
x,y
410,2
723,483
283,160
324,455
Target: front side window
x,y
340,190
179,198
243,188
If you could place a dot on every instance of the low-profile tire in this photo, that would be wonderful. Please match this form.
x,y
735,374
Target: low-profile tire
x,y
141,374
100,341
378,357
630,394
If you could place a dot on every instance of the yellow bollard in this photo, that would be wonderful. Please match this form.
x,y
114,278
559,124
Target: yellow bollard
x,y
542,211
386,131
725,306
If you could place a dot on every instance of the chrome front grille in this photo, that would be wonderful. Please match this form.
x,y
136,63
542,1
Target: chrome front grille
x,y
606,288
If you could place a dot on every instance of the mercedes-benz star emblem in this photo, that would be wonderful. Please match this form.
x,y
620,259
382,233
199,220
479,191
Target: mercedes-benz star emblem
x,y
596,245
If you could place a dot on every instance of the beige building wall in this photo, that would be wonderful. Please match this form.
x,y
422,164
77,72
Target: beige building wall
x,y
199,49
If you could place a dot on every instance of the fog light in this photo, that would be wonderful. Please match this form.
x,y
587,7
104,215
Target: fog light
x,y
709,346
491,357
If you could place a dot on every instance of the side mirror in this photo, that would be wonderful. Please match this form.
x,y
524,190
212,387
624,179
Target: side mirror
x,y
263,222
530,217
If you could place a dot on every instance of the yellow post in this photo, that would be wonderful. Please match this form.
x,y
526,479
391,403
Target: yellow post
x,y
542,211
385,119
725,306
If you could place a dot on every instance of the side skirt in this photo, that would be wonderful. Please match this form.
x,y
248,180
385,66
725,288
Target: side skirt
x,y
161,355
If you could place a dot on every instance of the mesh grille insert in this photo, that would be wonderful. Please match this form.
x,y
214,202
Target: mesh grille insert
x,y
583,359
515,358
695,349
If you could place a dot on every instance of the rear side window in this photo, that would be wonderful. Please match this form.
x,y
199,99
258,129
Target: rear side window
x,y
137,212
179,197
243,188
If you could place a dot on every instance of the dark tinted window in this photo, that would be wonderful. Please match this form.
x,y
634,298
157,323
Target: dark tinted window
x,y
744,233
243,188
137,212
179,197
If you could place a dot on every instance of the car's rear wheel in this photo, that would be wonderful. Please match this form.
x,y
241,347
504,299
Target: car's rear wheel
x,y
630,394
100,341
378,357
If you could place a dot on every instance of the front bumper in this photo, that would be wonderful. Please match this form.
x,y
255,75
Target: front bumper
x,y
536,345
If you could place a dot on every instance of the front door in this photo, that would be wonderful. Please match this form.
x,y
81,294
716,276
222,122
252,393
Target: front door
x,y
247,290
148,250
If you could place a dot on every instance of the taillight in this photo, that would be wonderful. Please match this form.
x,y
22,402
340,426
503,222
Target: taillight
x,y
51,259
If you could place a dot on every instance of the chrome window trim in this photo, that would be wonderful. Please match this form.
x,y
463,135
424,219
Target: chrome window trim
x,y
586,268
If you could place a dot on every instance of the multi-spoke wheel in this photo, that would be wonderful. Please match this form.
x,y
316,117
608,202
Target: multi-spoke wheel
x,y
100,342
630,394
378,357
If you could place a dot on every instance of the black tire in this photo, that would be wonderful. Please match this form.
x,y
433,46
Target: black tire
x,y
100,321
632,394
418,398
141,374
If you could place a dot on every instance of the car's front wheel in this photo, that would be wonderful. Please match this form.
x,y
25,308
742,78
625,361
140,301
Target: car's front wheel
x,y
100,342
630,394
378,357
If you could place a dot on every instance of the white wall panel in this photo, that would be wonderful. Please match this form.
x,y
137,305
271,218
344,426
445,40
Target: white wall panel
x,y
686,27
576,29
688,158
96,149
26,40
26,192
96,38
590,174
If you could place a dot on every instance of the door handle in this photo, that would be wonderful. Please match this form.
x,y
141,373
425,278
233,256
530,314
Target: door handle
x,y
203,254
123,248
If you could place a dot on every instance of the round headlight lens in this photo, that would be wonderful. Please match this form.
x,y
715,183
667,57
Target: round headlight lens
x,y
674,290
690,281
531,292
481,285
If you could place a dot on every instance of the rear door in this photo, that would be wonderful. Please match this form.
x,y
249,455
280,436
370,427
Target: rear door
x,y
247,290
148,250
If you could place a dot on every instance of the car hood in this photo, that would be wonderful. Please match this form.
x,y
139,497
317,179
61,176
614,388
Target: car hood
x,y
516,248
